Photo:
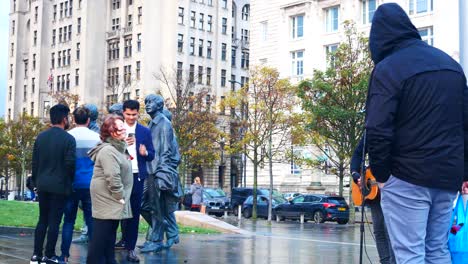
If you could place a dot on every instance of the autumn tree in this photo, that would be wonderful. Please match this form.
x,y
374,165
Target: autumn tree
x,y
265,104
194,118
335,100
18,142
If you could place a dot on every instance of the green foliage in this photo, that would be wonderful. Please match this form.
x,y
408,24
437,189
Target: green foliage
x,y
333,100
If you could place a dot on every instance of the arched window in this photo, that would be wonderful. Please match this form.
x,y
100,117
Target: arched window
x,y
245,12
234,9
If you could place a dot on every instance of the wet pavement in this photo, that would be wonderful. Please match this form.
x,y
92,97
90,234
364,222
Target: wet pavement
x,y
283,242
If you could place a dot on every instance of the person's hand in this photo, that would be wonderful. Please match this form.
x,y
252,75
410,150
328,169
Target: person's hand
x,y
465,187
381,184
122,201
130,140
143,151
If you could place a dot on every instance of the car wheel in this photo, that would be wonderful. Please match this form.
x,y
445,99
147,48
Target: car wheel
x,y
343,221
219,214
318,217
247,213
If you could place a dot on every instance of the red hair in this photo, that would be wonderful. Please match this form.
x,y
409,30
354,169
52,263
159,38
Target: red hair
x,y
108,126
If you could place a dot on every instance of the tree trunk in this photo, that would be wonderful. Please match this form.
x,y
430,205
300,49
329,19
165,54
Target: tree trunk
x,y
341,173
352,212
255,165
270,165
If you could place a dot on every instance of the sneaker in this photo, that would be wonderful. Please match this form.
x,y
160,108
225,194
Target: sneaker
x,y
54,260
83,239
120,245
63,259
35,259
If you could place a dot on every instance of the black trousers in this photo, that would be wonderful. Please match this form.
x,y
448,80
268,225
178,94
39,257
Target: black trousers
x,y
101,246
51,208
130,226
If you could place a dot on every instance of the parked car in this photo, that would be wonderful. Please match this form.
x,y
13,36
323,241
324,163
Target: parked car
x,y
319,208
291,195
240,194
262,205
215,201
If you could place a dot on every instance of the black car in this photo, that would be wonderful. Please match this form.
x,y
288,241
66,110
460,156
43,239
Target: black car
x,y
262,205
215,201
319,208
239,195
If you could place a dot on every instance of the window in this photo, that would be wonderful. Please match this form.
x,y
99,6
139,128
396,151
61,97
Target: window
x,y
200,75
208,49
192,46
126,96
224,26
245,12
139,42
77,77
68,82
13,27
297,26
245,35
53,37
78,51
138,70
59,59
129,20
127,74
36,14
210,23
427,35
264,30
70,9
66,9
26,69
297,61
332,19
60,35
52,60
224,3
200,21
208,76
128,47
245,60
14,5
210,2
115,24
223,78
130,2
25,94
420,6
11,71
140,14
32,108
180,42
330,53
115,4
69,32
368,10
65,34
192,73
200,47
68,56
137,93
34,62
12,49
10,91
181,15
223,51
78,25
9,113
233,57
55,13
113,51
61,10
179,70
192,19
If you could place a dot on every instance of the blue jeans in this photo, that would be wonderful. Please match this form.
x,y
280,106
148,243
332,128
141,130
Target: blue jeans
x,y
382,240
417,220
71,209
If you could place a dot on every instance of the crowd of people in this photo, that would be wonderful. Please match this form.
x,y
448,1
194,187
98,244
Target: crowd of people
x,y
104,171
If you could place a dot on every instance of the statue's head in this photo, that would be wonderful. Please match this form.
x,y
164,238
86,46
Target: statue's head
x,y
93,111
167,114
154,104
116,109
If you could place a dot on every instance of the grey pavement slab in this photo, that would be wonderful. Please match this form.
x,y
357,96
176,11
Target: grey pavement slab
x,y
283,242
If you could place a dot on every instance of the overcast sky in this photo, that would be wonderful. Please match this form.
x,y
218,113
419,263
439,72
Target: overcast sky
x,y
4,11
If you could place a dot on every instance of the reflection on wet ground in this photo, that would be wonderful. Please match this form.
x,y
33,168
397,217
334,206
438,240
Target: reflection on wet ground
x,y
283,242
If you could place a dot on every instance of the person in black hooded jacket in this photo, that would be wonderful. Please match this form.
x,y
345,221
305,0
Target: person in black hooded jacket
x,y
417,135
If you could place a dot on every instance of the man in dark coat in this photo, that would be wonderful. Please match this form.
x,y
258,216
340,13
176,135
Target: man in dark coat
x,y
53,170
158,188
417,133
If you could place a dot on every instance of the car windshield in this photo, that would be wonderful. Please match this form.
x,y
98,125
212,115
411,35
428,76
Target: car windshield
x,y
215,193
278,200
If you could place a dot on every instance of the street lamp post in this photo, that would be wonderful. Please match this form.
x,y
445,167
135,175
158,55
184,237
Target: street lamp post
x,y
221,164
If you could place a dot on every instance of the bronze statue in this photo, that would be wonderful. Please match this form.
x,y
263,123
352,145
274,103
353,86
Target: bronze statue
x,y
161,190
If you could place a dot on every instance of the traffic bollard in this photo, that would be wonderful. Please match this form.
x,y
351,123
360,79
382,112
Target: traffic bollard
x,y
239,214
225,214
302,218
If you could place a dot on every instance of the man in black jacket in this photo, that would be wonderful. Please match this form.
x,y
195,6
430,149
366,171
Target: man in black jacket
x,y
417,133
53,168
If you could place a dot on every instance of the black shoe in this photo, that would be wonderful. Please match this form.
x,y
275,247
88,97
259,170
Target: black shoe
x,y
120,245
35,259
132,256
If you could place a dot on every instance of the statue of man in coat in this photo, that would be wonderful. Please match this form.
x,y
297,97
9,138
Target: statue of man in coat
x,y
161,187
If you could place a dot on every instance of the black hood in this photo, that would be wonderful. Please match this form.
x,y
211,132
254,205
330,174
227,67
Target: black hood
x,y
391,27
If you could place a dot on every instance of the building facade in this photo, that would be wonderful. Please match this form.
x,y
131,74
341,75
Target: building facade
x,y
112,50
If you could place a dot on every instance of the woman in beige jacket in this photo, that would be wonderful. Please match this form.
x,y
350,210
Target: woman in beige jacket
x,y
111,187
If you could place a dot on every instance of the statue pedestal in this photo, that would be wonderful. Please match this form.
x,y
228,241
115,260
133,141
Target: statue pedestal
x,y
315,182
